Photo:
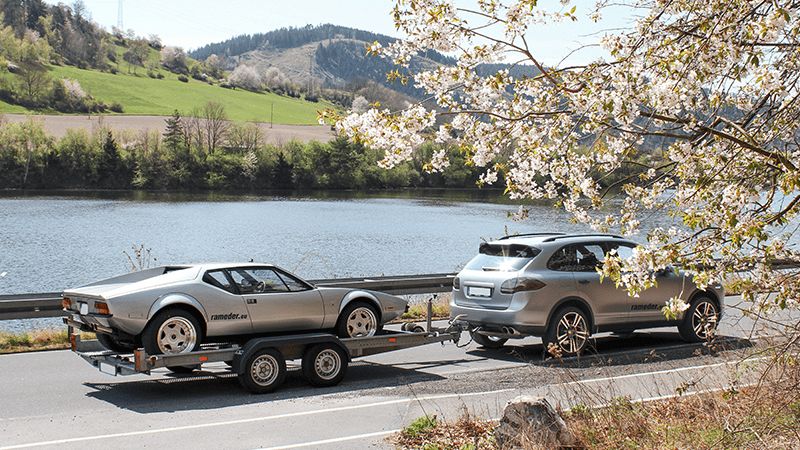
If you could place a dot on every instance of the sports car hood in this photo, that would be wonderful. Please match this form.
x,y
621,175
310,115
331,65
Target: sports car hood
x,y
135,282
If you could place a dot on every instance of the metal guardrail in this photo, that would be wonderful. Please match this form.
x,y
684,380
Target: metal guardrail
x,y
31,306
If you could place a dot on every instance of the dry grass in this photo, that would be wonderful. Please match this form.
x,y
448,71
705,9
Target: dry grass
x,y
429,433
765,415
51,339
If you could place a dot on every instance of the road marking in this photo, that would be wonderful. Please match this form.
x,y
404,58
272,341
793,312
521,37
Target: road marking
x,y
252,419
334,440
658,372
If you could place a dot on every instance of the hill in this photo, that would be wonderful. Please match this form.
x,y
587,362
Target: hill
x,y
329,56
54,59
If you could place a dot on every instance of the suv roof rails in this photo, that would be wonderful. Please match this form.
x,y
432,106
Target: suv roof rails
x,y
616,236
529,234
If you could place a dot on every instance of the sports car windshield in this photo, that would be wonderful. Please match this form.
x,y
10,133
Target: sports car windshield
x,y
503,258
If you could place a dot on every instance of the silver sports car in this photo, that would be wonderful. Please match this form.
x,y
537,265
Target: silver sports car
x,y
174,309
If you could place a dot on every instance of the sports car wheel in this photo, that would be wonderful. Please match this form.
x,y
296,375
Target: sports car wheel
x,y
358,320
113,344
568,332
263,371
700,320
170,332
324,365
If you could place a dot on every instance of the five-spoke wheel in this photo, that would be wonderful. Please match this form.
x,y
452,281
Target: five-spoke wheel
x,y
358,320
700,320
568,332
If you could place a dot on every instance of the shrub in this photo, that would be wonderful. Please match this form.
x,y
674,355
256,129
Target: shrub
x,y
183,78
116,107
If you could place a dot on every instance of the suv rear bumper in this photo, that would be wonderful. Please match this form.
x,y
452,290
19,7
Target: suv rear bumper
x,y
499,321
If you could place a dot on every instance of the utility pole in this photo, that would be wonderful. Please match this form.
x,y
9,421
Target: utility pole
x,y
271,112
119,16
311,74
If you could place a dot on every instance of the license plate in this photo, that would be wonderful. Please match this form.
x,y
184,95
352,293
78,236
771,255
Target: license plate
x,y
108,369
480,291
83,308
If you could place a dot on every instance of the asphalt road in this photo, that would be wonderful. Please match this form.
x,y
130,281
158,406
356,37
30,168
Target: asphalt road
x,y
55,399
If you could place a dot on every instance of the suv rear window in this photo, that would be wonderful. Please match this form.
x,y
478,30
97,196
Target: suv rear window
x,y
504,258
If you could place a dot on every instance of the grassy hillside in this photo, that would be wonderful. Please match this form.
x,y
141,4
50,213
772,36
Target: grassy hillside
x,y
142,95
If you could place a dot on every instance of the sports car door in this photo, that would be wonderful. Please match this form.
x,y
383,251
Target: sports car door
x,y
277,303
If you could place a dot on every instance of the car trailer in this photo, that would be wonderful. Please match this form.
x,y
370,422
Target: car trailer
x,y
260,363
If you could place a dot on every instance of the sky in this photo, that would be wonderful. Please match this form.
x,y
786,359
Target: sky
x,y
194,23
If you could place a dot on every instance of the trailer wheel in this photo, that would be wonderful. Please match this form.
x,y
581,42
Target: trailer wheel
x,y
263,371
324,364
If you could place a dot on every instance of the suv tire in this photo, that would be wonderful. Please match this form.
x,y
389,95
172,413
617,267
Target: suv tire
x,y
568,331
700,320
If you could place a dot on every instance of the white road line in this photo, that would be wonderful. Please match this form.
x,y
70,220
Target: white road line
x,y
251,420
334,440
658,372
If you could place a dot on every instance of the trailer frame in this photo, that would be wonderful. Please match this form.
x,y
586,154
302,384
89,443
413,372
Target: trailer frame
x,y
260,362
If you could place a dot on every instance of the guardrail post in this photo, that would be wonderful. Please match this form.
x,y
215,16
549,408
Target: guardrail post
x,y
430,313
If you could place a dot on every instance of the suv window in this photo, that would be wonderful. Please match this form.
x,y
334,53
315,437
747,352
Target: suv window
x,y
218,279
504,258
258,281
623,250
577,258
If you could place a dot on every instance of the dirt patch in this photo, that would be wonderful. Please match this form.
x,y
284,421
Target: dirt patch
x,y
58,125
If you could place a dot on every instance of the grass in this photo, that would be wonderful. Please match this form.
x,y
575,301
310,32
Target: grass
x,y
142,95
51,339
419,311
763,416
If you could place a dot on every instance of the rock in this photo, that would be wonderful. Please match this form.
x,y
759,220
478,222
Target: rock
x,y
13,68
531,422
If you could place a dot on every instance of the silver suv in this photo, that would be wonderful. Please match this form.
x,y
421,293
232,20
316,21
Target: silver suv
x,y
547,285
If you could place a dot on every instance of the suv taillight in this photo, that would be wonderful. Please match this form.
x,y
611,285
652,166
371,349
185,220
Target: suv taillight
x,y
456,283
520,284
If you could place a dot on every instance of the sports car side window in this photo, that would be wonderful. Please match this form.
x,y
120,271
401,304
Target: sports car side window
x,y
217,278
258,281
294,284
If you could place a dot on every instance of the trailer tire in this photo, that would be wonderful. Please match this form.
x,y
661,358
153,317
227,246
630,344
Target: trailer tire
x,y
324,364
263,371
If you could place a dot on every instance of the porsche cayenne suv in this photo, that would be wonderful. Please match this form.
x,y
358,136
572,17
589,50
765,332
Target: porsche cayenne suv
x,y
547,285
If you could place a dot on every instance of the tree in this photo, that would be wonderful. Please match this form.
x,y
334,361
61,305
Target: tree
x,y
214,66
246,77
110,164
34,81
174,59
136,54
714,80
174,134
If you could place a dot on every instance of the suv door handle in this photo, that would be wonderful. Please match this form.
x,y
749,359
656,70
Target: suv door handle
x,y
584,281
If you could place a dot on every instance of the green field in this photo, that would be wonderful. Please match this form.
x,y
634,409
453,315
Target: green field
x,y
142,95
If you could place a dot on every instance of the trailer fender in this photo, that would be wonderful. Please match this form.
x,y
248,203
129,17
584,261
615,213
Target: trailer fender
x,y
291,347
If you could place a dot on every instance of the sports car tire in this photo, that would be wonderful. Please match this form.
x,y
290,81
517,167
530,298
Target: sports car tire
x,y
358,319
324,365
172,331
263,371
113,344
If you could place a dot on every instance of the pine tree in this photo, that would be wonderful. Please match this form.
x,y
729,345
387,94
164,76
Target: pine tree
x,y
174,135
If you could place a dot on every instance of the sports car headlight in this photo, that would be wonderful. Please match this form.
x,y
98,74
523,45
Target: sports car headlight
x,y
520,284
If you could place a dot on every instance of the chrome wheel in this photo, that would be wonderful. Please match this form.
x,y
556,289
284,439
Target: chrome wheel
x,y
264,370
176,335
704,319
362,322
572,333
327,364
